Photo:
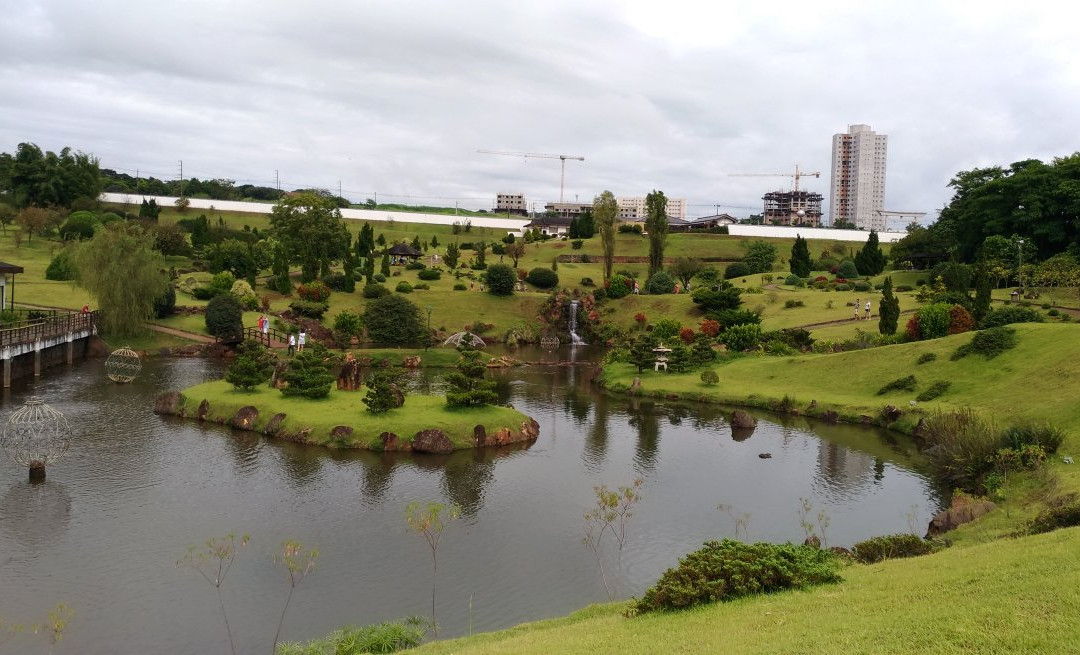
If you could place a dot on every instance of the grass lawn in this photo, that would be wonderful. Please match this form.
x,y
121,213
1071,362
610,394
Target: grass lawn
x,y
1008,596
420,412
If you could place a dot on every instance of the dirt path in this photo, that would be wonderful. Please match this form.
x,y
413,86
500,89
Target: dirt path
x,y
183,334
845,321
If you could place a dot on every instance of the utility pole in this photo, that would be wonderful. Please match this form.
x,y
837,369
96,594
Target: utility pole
x,y
137,180
277,181
339,188
181,178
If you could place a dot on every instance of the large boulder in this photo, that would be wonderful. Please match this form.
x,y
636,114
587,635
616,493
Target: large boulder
x,y
830,415
390,441
341,433
245,418
273,426
891,413
742,420
527,432
412,361
348,378
168,403
432,441
204,409
956,516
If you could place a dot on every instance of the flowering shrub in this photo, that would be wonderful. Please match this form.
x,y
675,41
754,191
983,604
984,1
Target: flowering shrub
x,y
960,320
641,319
315,291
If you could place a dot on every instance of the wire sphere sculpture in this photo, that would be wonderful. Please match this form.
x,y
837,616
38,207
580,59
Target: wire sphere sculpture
x,y
123,365
36,435
549,343
466,338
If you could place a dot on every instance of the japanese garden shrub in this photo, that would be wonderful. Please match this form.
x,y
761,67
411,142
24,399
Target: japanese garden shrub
x,y
1063,512
403,287
543,278
926,358
1043,435
308,374
587,282
739,338
894,546
253,366
960,320
576,244
165,304
954,275
844,286
903,287
900,384
935,390
847,270
335,281
862,285
394,320
797,338
60,267
79,225
415,266
933,320
316,291
224,316
660,282
628,228
728,318
375,291
792,280
988,343
379,277
792,304
736,269
429,274
1053,312
203,293
1009,315
222,282
601,293
728,569
245,294
501,280
666,328
460,287
709,377
308,308
620,286
421,286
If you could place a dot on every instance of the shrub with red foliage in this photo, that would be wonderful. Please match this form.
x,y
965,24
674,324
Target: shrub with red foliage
x,y
821,278
710,328
834,269
640,318
913,331
960,320
840,280
687,335
313,291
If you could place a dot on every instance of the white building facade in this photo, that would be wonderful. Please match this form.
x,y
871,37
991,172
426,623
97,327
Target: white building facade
x,y
858,178
633,208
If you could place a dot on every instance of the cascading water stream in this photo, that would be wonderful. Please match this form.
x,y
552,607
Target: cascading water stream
x,y
575,340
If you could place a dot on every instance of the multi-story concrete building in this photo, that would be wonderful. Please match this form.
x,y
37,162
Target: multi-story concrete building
x,y
567,209
633,208
858,178
512,203
793,208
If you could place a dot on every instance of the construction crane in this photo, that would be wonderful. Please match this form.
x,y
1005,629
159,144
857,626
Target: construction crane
x,y
526,155
798,174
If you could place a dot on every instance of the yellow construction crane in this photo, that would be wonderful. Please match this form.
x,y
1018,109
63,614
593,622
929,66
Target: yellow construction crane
x,y
538,155
796,175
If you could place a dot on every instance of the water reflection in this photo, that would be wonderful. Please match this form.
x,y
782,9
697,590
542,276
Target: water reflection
x,y
646,421
36,514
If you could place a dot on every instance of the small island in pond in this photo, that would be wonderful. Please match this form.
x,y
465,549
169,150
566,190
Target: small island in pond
x,y
424,424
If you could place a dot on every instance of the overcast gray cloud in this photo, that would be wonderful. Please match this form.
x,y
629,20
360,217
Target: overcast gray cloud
x,y
396,97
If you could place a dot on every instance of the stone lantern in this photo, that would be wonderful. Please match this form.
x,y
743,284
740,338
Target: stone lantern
x,y
35,436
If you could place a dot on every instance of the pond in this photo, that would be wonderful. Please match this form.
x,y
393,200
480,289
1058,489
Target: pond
x,y
104,532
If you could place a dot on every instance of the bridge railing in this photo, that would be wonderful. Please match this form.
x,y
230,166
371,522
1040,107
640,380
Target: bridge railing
x,y
255,334
51,325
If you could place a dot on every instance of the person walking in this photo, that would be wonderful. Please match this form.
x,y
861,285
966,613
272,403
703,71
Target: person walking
x,y
300,341
292,344
857,309
868,310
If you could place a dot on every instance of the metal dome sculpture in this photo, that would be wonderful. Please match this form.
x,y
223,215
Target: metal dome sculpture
x,y
35,436
466,337
123,365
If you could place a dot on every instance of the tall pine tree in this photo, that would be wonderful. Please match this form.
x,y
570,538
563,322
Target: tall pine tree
x,y
800,258
889,312
870,260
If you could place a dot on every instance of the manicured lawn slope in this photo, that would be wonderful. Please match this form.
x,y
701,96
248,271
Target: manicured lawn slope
x,y
347,408
1009,596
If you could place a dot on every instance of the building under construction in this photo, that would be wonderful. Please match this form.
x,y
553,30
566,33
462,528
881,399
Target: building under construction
x,y
793,208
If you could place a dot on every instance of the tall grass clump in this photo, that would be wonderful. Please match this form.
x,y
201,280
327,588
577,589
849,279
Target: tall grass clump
x,y
1033,434
728,569
961,447
893,546
388,637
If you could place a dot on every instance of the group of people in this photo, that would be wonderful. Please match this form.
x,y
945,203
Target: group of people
x,y
866,316
296,341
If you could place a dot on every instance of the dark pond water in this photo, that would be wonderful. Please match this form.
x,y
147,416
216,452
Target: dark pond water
x,y
105,531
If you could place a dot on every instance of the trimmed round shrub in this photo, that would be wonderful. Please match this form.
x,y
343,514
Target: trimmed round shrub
x,y
576,244
429,274
543,278
730,569
394,320
79,225
843,287
415,266
379,277
403,287
60,267
588,282
792,280
709,377
315,291
501,279
375,291
847,269
737,269
421,286
619,286
308,308
934,320
960,320
659,283
862,285
1009,315
224,316
460,287
739,338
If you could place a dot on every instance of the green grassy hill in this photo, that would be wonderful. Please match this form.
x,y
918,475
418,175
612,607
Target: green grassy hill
x,y
1009,596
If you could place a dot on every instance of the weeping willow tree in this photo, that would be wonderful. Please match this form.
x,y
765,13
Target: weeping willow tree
x,y
123,274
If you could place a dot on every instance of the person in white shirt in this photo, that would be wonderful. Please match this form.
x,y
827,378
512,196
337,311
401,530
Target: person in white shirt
x,y
292,344
300,341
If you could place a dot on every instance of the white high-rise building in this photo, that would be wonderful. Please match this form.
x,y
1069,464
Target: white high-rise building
x,y
858,178
632,208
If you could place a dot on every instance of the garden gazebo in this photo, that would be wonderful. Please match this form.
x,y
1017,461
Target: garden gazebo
x,y
7,284
399,251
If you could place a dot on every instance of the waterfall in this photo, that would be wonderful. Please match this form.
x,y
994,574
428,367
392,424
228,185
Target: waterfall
x,y
574,338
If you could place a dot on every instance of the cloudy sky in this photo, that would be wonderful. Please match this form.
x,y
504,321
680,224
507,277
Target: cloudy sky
x,y
396,96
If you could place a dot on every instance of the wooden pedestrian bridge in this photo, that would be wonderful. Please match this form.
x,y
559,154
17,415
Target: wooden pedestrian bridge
x,y
38,338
